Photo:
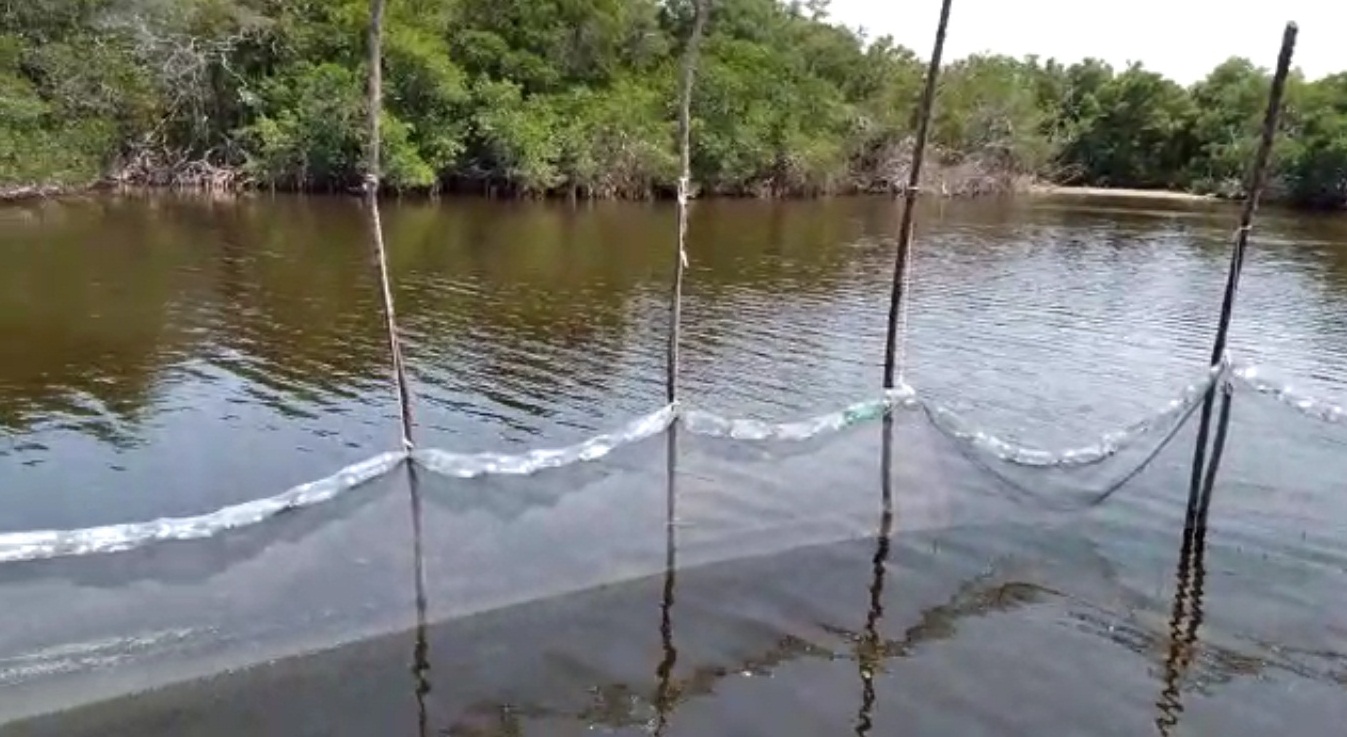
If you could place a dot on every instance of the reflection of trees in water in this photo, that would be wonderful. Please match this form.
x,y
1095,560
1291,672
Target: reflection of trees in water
x,y
507,301
297,314
111,319
87,317
527,302
279,292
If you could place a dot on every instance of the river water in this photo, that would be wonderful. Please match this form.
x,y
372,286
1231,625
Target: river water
x,y
165,357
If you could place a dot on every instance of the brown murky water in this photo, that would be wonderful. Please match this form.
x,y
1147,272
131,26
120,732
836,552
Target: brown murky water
x,y
169,357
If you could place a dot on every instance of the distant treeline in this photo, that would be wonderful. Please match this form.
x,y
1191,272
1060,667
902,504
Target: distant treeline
x,y
528,97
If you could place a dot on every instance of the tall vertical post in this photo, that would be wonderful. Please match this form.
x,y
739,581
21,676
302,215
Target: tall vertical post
x,y
371,187
1254,189
1187,614
684,183
870,644
910,196
666,691
421,646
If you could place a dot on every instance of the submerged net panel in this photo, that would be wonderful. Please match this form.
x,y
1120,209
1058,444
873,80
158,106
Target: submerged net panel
x,y
287,588
1107,445
1255,378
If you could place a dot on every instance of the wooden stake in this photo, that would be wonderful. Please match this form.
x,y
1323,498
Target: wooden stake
x,y
421,646
910,195
1199,497
1257,178
684,179
1186,615
372,207
870,644
666,690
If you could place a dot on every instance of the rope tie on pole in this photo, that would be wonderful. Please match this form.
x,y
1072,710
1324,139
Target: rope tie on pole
x,y
905,306
683,186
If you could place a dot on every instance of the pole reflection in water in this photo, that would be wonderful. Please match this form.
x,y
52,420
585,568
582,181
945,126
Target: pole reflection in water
x,y
664,692
870,648
1187,613
421,648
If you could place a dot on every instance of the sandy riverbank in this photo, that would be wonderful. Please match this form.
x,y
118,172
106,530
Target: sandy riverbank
x,y
1121,193
36,192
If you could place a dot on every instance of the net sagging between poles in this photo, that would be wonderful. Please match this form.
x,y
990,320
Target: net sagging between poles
x,y
989,447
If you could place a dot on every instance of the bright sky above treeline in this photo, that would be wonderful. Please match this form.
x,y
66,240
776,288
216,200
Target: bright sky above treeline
x,y
1182,39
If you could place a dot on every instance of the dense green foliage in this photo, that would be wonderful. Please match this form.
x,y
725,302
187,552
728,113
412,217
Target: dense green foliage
x,y
578,96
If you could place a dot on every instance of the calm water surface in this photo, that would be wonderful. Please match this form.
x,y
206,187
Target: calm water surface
x,y
164,357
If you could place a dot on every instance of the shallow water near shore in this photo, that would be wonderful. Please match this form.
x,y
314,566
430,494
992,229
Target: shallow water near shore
x,y
167,358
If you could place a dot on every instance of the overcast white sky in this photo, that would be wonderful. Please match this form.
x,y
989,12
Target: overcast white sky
x,y
1183,39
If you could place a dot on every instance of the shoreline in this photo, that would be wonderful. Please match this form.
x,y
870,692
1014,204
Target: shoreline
x,y
28,193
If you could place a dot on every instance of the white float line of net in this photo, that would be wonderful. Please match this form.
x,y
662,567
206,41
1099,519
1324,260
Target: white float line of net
x,y
43,544
1108,445
1251,376
472,465
713,425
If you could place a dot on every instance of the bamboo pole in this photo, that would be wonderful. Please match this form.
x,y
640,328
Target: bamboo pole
x,y
371,193
910,195
1257,178
684,179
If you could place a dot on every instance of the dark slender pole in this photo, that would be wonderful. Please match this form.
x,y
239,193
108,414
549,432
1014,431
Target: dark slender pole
x,y
421,648
371,187
665,691
1257,178
910,195
684,182
1187,613
870,646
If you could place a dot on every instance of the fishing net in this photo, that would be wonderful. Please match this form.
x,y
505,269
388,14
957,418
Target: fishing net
x,y
564,588
105,611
